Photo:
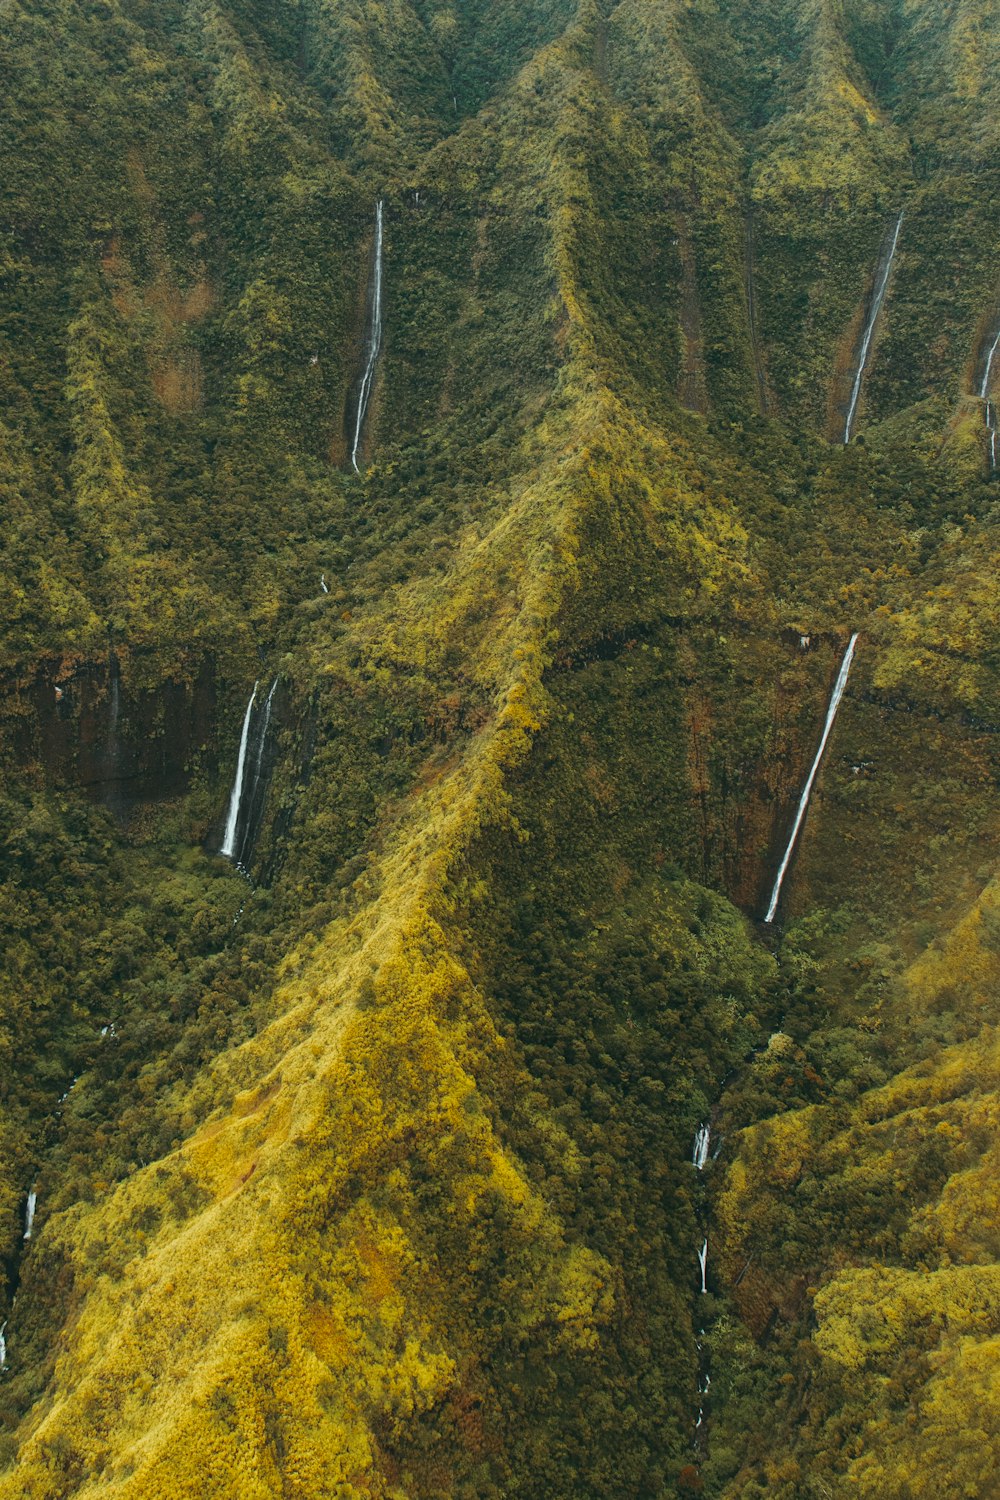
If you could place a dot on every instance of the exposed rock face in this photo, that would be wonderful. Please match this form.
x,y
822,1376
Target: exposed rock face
x,y
80,725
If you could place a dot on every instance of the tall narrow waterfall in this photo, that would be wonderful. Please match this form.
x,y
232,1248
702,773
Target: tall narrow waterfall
x,y
874,309
703,1264
259,745
373,339
251,775
29,1214
700,1153
228,847
831,714
985,384
984,395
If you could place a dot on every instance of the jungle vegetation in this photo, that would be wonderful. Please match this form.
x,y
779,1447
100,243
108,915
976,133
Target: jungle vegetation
x,y
366,1171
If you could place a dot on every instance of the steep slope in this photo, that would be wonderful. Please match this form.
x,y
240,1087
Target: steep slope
x,y
367,1171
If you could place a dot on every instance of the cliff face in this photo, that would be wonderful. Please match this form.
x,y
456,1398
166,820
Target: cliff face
x,y
368,1171
77,724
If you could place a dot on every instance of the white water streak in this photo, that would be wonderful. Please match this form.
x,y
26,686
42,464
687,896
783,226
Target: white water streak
x,y
984,388
876,308
984,391
229,840
373,340
703,1263
29,1214
831,714
260,744
700,1153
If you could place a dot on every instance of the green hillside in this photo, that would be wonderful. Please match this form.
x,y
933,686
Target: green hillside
x,y
363,1158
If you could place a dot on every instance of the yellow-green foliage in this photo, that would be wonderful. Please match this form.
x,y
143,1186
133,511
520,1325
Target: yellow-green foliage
x,y
939,643
833,141
336,1315
383,1185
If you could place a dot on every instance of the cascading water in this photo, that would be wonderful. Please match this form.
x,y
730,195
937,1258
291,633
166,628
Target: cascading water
x,y
831,714
873,312
837,694
700,1153
259,746
703,1392
985,384
249,774
243,800
3,1345
228,847
984,393
373,340
29,1214
703,1263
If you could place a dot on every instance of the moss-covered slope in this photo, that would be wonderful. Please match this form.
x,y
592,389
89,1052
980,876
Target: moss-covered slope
x,y
368,1171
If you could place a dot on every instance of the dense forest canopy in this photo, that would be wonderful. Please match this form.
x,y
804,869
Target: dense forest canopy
x,y
429,548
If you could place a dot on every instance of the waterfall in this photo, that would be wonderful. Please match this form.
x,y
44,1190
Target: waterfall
x,y
984,395
703,1392
29,1213
323,583
703,1263
831,714
373,339
229,838
3,1345
873,312
240,823
259,746
700,1153
985,385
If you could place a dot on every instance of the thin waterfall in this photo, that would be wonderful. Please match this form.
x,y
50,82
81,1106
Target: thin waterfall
x,y
373,340
29,1214
703,1392
703,1263
985,385
229,838
257,756
3,1345
873,312
831,714
700,1153
984,391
